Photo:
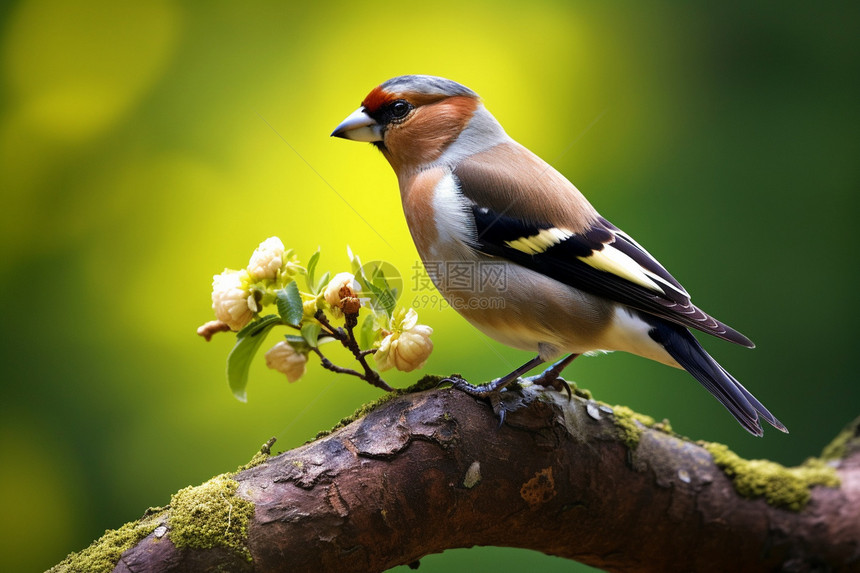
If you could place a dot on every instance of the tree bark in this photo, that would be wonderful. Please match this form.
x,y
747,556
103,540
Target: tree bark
x,y
434,470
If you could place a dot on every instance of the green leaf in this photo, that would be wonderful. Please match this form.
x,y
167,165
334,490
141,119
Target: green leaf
x,y
377,274
290,304
323,282
354,260
311,332
312,266
253,328
367,333
239,360
375,280
297,342
375,290
383,298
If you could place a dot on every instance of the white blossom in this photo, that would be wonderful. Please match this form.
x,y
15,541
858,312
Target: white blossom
x,y
408,347
230,297
267,259
342,286
285,359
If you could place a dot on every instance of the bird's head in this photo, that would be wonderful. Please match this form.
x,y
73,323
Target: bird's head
x,y
413,119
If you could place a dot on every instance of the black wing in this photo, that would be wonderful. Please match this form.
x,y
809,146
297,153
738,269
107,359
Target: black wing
x,y
603,261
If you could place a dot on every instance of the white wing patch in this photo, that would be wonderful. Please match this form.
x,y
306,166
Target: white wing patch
x,y
613,261
454,223
536,244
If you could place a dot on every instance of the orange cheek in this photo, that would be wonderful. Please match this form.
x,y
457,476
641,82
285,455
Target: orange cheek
x,y
424,137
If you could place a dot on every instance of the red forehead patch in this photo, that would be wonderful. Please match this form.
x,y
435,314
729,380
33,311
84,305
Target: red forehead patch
x,y
376,99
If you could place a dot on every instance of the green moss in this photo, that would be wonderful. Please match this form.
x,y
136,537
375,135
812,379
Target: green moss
x,y
581,392
837,449
104,553
665,426
426,383
788,488
210,515
203,517
630,423
847,440
258,459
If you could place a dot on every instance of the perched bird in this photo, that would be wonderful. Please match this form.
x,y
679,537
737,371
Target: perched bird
x,y
573,283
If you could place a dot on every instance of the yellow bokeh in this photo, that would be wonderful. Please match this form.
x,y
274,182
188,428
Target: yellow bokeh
x,y
41,499
74,68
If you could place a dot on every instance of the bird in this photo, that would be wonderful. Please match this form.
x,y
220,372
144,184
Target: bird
x,y
572,283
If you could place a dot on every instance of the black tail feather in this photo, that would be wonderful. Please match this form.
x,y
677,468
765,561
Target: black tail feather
x,y
686,350
765,413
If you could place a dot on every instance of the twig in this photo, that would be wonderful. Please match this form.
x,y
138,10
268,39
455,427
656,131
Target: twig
x,y
347,339
267,447
329,365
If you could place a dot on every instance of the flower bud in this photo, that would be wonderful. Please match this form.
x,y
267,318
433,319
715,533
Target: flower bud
x,y
408,347
342,293
309,308
267,259
284,358
230,298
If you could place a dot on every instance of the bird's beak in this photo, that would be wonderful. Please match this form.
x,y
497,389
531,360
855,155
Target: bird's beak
x,y
359,127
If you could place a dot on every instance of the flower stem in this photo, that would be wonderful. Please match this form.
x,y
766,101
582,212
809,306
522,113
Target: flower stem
x,y
347,339
329,365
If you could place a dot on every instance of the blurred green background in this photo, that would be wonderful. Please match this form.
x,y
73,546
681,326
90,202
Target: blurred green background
x,y
144,147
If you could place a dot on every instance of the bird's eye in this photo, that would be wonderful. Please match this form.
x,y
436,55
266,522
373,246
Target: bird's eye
x,y
400,108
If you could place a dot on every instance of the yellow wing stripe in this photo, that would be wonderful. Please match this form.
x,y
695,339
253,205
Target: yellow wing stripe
x,y
608,259
537,244
614,261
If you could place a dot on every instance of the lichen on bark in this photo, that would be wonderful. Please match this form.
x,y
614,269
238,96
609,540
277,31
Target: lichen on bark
x,y
780,486
210,515
846,441
104,553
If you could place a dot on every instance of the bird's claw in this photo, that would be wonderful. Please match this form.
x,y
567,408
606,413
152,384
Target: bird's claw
x,y
500,399
557,383
498,406
452,380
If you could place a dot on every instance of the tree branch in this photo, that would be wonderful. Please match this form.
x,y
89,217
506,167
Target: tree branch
x,y
430,471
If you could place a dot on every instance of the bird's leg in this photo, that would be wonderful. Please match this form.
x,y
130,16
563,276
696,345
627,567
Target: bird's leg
x,y
552,376
493,390
496,385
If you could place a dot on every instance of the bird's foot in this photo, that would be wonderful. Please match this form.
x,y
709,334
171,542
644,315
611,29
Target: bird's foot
x,y
497,392
557,383
481,391
551,377
501,400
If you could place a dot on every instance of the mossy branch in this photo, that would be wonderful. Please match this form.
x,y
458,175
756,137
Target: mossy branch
x,y
431,470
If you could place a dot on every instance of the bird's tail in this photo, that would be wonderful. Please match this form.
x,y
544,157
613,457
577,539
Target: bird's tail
x,y
686,350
